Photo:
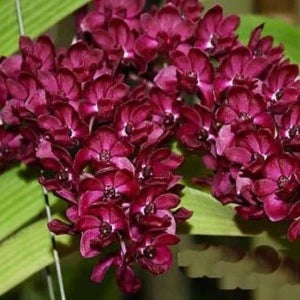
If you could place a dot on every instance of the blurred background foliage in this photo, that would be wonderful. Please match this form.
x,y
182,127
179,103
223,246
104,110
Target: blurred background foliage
x,y
216,267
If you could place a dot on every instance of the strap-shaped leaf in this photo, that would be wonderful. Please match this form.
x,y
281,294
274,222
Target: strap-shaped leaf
x,y
212,218
25,253
21,199
38,16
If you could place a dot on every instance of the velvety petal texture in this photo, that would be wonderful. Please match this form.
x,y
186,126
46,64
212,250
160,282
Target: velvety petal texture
x,y
99,118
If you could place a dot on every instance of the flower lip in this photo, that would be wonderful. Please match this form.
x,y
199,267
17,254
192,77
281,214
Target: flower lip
x,y
104,155
105,230
149,252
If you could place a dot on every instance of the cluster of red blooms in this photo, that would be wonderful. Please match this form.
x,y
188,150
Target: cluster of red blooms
x,y
97,116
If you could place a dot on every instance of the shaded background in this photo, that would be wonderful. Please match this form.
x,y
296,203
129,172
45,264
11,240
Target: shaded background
x,y
178,284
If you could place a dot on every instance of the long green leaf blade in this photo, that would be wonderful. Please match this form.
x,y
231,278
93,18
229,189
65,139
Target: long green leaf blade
x,y
212,218
26,253
38,16
21,200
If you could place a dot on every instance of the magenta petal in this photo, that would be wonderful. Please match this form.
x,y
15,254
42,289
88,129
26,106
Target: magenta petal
x,y
48,122
87,199
72,213
16,89
85,243
226,115
166,239
11,66
150,25
103,39
276,209
163,257
238,155
167,201
224,139
229,25
181,61
182,214
48,80
264,187
133,7
201,65
100,270
58,227
120,31
87,222
168,18
255,67
146,47
123,163
294,231
185,29
118,92
166,79
83,158
127,280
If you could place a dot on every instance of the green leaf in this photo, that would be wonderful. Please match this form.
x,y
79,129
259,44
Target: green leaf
x,y
21,199
283,33
38,16
27,252
212,218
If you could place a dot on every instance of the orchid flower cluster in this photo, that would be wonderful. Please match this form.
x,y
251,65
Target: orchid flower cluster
x,y
98,118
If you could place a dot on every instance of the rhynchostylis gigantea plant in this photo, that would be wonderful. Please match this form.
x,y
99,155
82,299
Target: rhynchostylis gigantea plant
x,y
98,116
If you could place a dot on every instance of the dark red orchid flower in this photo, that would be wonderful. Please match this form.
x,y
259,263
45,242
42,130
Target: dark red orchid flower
x,y
289,129
133,123
81,60
61,177
104,149
11,66
165,109
10,143
196,130
189,9
282,87
153,253
263,46
101,97
243,109
279,187
27,100
163,31
240,68
215,34
62,87
126,278
100,226
151,209
158,166
37,55
65,126
3,91
109,186
191,73
125,9
251,149
118,42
